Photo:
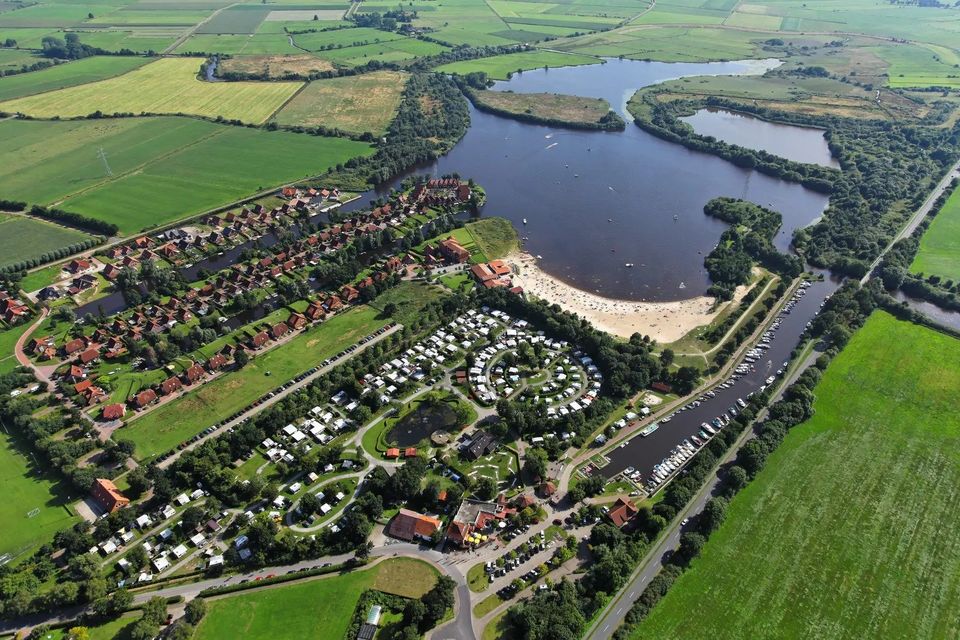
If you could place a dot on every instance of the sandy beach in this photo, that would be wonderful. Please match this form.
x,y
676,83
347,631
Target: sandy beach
x,y
663,321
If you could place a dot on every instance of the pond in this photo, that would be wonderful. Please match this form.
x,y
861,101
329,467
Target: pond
x,y
801,144
421,422
595,201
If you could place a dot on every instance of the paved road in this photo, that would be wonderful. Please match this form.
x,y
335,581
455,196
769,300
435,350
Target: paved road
x,y
296,386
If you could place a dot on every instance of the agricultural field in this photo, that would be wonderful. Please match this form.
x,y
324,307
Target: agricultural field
x,y
921,66
169,85
502,67
939,252
22,238
256,44
396,50
65,75
14,59
319,608
170,424
504,22
668,44
360,103
552,106
275,66
164,169
25,489
841,535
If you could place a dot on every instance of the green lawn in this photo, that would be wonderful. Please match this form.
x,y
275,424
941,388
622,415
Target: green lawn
x,y
501,67
67,75
22,238
42,277
118,629
410,298
495,237
164,168
320,608
847,532
939,252
24,491
172,423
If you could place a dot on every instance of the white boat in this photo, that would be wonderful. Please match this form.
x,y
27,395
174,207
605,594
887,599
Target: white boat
x,y
628,265
524,221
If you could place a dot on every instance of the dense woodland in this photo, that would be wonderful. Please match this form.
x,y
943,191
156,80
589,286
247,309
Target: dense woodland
x,y
748,239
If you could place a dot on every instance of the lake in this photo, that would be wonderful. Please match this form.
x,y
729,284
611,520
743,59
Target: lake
x,y
801,144
594,201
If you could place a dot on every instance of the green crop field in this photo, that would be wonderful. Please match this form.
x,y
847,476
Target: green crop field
x,y
168,85
170,424
939,252
360,103
668,44
22,238
67,75
501,67
320,608
25,490
846,532
163,169
921,66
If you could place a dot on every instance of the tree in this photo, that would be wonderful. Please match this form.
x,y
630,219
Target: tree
x,y
666,357
535,464
240,358
137,482
737,478
309,504
486,488
390,309
712,515
195,610
437,601
690,546
78,633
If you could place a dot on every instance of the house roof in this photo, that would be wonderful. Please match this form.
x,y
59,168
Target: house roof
x,y
114,411
622,512
407,525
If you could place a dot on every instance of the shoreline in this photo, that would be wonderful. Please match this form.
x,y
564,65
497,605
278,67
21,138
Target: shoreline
x,y
664,322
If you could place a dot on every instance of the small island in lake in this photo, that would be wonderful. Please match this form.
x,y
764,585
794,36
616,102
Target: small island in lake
x,y
549,108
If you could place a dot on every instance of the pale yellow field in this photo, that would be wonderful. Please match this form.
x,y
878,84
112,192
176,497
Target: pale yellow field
x,y
169,85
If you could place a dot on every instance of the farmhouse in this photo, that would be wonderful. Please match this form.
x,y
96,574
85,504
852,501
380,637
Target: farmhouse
x,y
409,525
622,512
107,495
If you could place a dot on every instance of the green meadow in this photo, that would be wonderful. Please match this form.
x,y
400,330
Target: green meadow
x,y
26,489
164,168
846,532
501,67
67,74
939,252
22,238
320,608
